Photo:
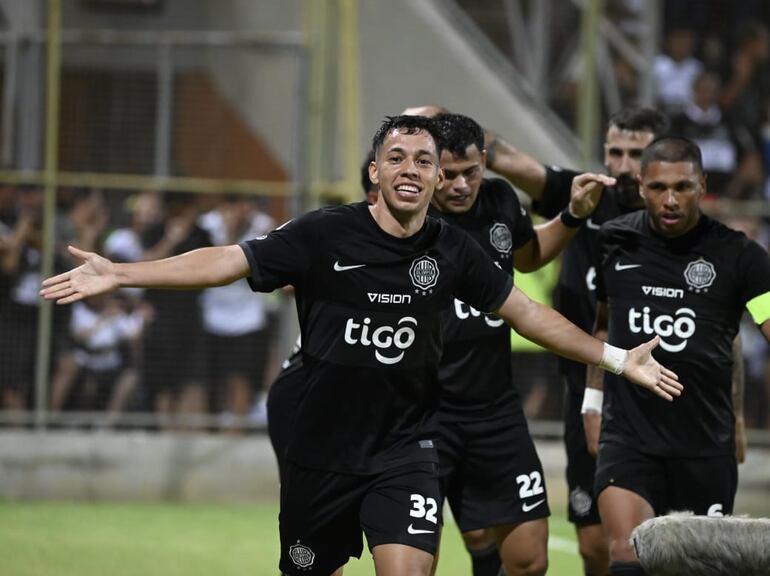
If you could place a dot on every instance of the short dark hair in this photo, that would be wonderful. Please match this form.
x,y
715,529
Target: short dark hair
x,y
366,183
638,119
408,125
459,132
672,149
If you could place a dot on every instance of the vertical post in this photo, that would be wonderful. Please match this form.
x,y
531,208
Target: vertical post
x,y
9,98
650,46
588,101
163,116
50,169
349,95
316,15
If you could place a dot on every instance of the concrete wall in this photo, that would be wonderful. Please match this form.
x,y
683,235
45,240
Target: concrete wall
x,y
137,466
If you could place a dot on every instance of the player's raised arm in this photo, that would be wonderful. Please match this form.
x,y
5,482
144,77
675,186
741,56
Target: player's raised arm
x,y
553,236
549,329
202,268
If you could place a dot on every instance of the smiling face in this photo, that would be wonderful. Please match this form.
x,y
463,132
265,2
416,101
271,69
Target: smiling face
x,y
462,180
406,169
672,192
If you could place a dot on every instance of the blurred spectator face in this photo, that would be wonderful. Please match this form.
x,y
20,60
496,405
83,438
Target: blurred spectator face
x,y
759,45
31,203
147,210
237,210
705,91
622,155
680,44
462,180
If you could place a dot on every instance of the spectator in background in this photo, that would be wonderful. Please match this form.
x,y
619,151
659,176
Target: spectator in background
x,y
675,71
730,157
172,370
744,98
235,319
101,329
125,244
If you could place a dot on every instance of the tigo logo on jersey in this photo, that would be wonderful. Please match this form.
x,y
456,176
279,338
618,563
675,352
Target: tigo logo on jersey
x,y
500,238
301,555
463,312
382,338
700,274
424,272
681,325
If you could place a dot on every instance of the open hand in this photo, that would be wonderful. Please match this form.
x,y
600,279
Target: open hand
x,y
642,369
95,276
586,191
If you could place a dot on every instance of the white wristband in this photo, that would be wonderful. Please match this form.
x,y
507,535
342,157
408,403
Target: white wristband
x,y
613,359
592,401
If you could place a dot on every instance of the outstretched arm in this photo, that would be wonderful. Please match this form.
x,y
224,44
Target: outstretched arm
x,y
553,236
202,268
549,329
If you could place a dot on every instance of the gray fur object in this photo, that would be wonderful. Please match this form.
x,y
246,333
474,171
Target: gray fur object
x,y
681,544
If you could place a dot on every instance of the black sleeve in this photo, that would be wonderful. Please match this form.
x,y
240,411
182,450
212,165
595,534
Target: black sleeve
x,y
281,257
481,283
753,266
556,191
524,231
599,255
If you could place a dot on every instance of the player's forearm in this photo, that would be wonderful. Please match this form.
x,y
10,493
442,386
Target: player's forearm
x,y
551,238
594,375
519,168
202,268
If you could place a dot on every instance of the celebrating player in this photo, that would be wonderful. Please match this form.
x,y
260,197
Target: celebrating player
x,y
370,283
672,272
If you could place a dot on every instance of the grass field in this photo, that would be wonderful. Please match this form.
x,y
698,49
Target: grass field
x,y
45,539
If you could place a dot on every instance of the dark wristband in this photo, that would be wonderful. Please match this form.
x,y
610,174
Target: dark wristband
x,y
569,220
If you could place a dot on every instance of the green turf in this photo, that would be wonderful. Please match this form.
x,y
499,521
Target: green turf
x,y
44,539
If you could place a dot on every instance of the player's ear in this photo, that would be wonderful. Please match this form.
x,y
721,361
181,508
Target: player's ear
x,y
373,175
440,178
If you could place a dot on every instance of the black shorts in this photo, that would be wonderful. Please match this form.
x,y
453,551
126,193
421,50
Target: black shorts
x,y
490,472
244,355
706,486
323,514
582,509
172,353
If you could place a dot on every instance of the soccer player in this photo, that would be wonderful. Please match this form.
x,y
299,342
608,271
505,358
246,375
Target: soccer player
x,y
629,131
490,471
673,272
370,283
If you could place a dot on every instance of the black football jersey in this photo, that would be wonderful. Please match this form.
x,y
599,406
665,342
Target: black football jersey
x,y
475,370
691,291
369,309
575,294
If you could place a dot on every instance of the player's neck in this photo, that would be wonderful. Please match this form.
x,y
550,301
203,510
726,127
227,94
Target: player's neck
x,y
398,224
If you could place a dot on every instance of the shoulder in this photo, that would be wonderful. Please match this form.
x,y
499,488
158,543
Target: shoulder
x,y
631,223
500,193
729,240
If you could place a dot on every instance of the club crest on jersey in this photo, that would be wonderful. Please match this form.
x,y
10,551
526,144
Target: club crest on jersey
x,y
301,555
580,501
700,274
500,238
424,273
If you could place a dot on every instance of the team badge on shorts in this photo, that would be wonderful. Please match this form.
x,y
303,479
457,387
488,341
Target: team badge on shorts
x,y
301,555
700,274
500,238
580,501
424,273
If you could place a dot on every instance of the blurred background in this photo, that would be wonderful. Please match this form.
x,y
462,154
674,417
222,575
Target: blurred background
x,y
144,128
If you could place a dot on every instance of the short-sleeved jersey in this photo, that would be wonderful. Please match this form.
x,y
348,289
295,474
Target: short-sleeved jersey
x,y
690,291
369,307
475,370
575,295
